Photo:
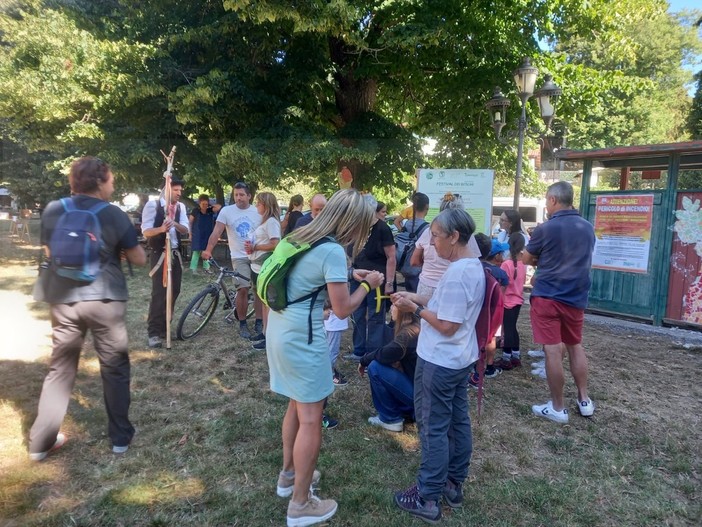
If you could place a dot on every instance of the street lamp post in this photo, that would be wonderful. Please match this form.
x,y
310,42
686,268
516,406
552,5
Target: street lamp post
x,y
547,96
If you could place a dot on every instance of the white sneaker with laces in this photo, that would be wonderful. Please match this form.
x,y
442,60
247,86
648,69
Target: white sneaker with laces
x,y
587,407
392,427
547,411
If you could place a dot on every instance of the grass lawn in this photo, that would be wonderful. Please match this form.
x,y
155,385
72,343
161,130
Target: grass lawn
x,y
208,450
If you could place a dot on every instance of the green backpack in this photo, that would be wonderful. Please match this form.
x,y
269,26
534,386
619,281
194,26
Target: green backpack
x,y
272,283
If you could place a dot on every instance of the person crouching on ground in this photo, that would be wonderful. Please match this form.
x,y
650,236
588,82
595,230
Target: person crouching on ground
x,y
300,369
391,374
446,350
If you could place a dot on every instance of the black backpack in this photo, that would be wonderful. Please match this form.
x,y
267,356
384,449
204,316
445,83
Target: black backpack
x,y
405,244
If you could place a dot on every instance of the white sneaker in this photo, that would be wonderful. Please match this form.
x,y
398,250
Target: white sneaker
x,y
587,408
547,411
40,456
539,372
393,427
539,364
536,353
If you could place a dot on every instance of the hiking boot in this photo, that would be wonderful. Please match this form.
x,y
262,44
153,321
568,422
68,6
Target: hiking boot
x,y
339,379
453,494
312,512
244,332
547,411
286,484
410,501
397,426
329,422
40,456
155,342
587,407
491,371
261,345
505,365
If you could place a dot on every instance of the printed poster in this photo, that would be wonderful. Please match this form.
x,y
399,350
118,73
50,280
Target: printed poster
x,y
623,232
473,185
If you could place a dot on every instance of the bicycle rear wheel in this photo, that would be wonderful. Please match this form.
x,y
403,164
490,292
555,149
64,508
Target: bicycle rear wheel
x,y
198,313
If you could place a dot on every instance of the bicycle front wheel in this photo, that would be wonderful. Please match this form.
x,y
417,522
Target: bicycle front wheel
x,y
198,313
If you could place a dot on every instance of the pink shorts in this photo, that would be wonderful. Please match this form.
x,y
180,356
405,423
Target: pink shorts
x,y
553,322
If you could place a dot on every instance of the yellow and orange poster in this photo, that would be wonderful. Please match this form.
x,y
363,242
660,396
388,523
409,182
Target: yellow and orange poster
x,y
623,232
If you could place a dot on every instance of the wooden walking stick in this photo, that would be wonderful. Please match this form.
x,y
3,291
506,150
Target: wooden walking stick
x,y
168,255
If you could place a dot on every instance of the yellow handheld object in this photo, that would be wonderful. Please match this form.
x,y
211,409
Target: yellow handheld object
x,y
378,299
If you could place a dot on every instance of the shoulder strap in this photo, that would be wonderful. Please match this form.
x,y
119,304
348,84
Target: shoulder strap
x,y
68,204
421,229
312,296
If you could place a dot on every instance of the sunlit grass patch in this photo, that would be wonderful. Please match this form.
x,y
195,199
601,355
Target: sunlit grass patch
x,y
161,488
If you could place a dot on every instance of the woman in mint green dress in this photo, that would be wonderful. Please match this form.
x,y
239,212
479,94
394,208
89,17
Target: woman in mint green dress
x,y
300,369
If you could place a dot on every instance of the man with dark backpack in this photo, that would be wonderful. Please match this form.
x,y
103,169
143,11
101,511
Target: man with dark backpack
x,y
406,240
84,238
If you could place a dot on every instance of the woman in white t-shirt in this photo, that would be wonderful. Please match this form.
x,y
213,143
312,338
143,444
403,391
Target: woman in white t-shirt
x,y
446,350
265,238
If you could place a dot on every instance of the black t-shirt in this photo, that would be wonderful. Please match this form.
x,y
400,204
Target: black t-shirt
x,y
373,257
292,221
117,233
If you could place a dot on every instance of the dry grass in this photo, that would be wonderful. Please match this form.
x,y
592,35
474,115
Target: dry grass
x,y
208,449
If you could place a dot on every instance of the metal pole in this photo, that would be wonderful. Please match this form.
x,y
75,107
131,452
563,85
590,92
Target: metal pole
x,y
520,155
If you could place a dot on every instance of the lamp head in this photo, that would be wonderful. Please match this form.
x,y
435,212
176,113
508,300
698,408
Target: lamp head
x,y
547,97
525,79
497,106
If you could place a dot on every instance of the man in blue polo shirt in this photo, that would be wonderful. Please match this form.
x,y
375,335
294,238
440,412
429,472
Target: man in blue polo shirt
x,y
562,249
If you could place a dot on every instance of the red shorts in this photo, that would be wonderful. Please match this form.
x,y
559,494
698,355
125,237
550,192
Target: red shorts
x,y
553,322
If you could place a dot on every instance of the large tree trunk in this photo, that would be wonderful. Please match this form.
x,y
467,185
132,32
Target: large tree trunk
x,y
354,97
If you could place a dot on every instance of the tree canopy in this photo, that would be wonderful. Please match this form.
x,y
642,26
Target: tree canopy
x,y
273,92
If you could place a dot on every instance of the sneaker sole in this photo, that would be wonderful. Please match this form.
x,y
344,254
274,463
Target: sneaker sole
x,y
304,521
427,519
41,456
452,504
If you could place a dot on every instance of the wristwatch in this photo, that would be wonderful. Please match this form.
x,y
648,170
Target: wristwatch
x,y
418,311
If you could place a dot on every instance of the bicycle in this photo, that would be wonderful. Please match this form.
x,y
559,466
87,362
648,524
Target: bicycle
x,y
202,307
